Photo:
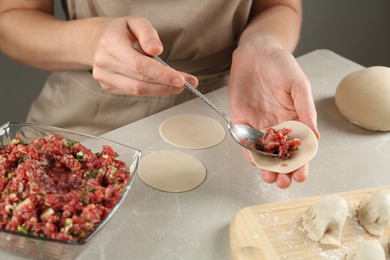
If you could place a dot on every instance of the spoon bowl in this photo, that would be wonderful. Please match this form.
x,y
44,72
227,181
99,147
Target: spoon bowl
x,y
246,136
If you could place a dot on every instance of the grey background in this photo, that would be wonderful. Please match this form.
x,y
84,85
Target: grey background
x,y
355,29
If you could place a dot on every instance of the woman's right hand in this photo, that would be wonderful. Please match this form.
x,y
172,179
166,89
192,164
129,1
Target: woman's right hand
x,y
102,44
122,70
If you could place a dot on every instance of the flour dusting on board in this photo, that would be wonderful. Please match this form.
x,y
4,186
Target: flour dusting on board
x,y
282,225
290,232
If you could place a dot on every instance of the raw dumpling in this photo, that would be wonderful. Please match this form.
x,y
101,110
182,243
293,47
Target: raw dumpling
x,y
325,220
374,212
367,250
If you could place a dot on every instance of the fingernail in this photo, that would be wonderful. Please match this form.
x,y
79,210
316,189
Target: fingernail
x,y
154,45
177,82
193,81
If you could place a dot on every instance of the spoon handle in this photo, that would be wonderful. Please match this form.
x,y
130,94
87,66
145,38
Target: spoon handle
x,y
189,86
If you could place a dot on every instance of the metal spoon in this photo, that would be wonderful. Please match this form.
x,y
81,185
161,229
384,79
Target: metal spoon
x,y
246,136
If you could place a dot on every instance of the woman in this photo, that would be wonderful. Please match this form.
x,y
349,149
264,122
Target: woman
x,y
100,83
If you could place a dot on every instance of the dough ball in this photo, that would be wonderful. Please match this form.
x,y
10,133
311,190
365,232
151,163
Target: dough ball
x,y
192,131
367,250
374,212
171,171
325,220
363,97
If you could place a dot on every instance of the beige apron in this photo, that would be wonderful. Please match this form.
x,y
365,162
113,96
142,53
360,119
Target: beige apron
x,y
198,38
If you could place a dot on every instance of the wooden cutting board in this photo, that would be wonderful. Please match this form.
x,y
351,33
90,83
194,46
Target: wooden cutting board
x,y
274,231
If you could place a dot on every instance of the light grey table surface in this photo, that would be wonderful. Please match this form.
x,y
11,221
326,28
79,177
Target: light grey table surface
x,y
195,225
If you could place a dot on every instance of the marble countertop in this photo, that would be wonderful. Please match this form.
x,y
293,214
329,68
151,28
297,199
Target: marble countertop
x,y
195,225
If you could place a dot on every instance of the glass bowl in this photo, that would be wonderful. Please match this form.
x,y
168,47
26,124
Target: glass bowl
x,y
46,248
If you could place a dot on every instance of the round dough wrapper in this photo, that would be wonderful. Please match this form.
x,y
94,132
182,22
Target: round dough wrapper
x,y
307,150
171,171
192,131
363,98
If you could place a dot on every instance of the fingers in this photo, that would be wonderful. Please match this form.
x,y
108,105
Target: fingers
x,y
123,85
283,180
269,177
124,71
116,54
301,174
115,80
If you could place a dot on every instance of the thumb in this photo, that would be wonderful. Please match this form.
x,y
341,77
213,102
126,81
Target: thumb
x,y
305,107
145,34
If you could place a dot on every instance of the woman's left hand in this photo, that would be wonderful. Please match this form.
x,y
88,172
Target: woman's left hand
x,y
267,87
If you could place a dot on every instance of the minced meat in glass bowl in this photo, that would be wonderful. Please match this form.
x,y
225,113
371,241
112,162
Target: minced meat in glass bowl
x,y
58,188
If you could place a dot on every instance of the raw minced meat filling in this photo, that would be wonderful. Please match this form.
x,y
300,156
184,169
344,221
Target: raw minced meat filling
x,y
277,141
57,188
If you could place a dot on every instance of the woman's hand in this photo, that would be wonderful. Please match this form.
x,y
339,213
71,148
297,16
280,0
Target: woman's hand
x,y
100,44
267,87
122,70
